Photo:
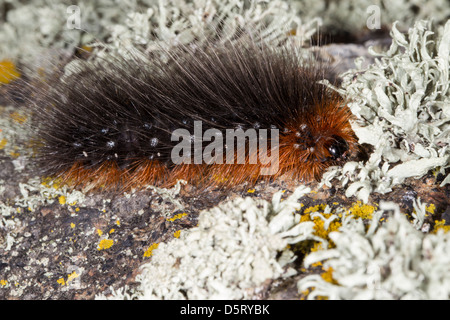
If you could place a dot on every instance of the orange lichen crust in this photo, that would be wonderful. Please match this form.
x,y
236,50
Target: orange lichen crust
x,y
8,72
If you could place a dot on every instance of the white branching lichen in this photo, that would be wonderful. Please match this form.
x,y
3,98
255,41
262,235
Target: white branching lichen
x,y
403,107
359,15
139,26
171,22
231,252
389,261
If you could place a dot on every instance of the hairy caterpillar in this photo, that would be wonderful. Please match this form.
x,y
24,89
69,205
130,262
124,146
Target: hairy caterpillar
x,y
112,124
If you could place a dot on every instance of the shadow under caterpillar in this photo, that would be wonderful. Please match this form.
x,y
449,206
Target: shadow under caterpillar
x,y
111,125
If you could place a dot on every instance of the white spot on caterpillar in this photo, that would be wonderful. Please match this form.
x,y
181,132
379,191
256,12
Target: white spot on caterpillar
x,y
85,154
110,144
154,142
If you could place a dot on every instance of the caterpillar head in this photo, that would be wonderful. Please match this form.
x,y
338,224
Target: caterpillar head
x,y
316,140
337,147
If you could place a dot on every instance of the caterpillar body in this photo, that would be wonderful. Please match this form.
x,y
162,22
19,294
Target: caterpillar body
x,y
112,125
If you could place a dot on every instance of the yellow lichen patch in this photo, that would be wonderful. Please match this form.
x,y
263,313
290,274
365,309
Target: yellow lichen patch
x,y
251,191
72,225
62,200
149,252
316,208
14,154
99,232
112,230
440,225
85,48
8,72
363,211
3,143
105,244
17,117
49,182
176,234
327,275
321,228
3,282
177,216
317,246
61,281
430,208
72,276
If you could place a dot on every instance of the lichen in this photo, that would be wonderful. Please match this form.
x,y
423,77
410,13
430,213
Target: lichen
x,y
15,135
402,104
149,251
177,216
169,23
389,261
8,72
135,26
232,251
352,16
105,244
325,221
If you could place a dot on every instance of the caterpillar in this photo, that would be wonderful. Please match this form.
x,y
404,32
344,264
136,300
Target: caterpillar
x,y
123,124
